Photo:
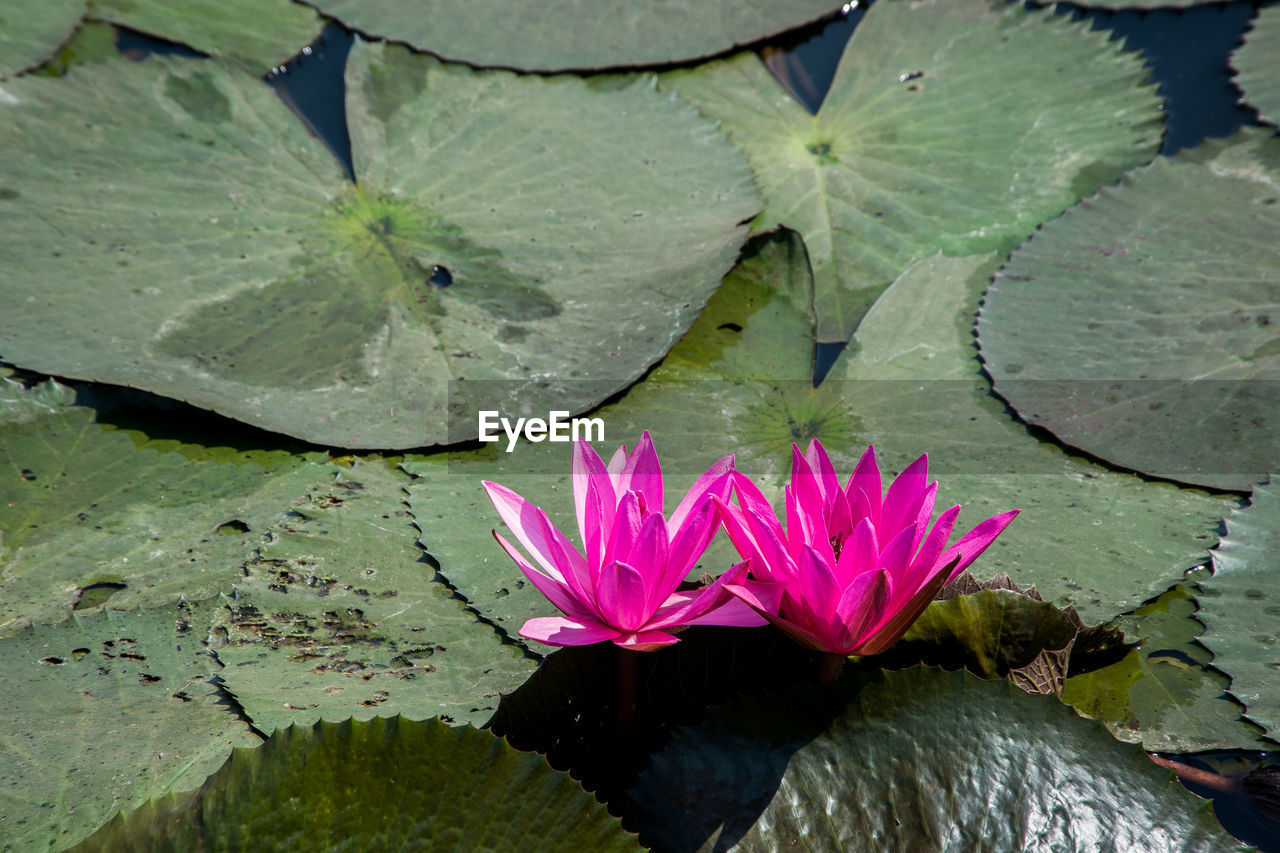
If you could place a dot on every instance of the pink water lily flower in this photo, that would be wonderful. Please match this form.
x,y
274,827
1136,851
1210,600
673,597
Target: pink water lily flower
x,y
625,587
854,567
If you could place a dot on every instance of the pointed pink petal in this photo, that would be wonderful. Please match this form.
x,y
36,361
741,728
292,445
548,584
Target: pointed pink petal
x,y
818,589
716,480
626,527
731,613
821,465
588,470
863,606
900,620
861,553
755,504
761,596
621,598
560,631
860,507
896,556
522,518
926,560
711,605
649,557
616,463
866,476
598,521
687,547
643,475
902,501
735,525
925,512
840,518
556,592
646,641
566,556
973,543
807,496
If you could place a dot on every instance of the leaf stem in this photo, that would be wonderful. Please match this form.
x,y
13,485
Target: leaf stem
x,y
628,668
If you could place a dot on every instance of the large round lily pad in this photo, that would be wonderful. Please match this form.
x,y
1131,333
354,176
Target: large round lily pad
x,y
559,35
953,125
171,226
385,784
1255,63
102,713
1240,606
1100,540
911,760
257,34
1144,325
31,30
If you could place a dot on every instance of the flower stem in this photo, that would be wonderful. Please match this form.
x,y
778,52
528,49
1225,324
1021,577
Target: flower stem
x,y
1188,773
628,666
830,666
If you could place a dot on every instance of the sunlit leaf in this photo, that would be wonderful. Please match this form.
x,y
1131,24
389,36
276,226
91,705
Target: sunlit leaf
x,y
1255,63
1144,325
952,125
514,241
31,30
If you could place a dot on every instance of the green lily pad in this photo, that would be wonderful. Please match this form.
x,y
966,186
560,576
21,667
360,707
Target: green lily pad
x,y
1255,62
339,615
580,232
1235,606
1167,694
256,34
85,514
1144,325
911,760
561,35
384,784
952,125
1096,539
31,31
104,712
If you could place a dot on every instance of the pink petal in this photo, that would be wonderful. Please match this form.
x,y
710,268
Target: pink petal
x,y
736,526
925,512
732,613
821,465
589,470
805,486
818,589
621,598
755,504
896,556
556,592
598,520
716,480
643,475
926,560
900,619
687,547
866,477
863,606
566,556
902,501
626,527
840,517
711,605
616,463
646,641
861,553
973,543
522,518
649,557
560,631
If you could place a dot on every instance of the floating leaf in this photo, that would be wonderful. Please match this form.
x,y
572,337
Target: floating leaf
x,y
80,507
1255,63
953,125
104,712
257,34
1144,325
385,784
559,35
1095,539
911,760
1167,693
339,615
1235,606
31,31
214,252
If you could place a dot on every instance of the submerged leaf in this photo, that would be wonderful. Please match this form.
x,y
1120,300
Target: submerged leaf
x,y
952,125
385,784
214,252
1144,325
911,760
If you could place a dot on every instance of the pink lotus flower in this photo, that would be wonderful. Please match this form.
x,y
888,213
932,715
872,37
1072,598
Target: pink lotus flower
x,y
624,589
853,569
